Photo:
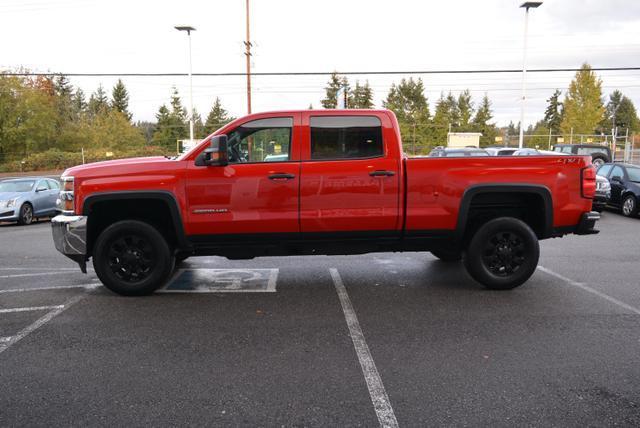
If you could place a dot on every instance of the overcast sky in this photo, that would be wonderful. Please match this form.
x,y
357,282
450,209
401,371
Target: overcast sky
x,y
346,35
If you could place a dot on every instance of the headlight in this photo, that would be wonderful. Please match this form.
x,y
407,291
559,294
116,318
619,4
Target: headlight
x,y
9,203
65,202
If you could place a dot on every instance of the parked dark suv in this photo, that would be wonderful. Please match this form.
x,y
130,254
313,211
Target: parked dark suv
x,y
599,154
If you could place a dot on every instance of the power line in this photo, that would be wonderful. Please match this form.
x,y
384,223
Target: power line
x,y
317,73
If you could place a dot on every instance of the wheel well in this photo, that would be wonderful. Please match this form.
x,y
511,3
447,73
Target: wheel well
x,y
528,207
155,212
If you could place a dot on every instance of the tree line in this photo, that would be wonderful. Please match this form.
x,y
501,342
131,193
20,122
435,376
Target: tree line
x,y
582,111
45,122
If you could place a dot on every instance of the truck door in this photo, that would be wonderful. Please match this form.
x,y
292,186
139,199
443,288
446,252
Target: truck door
x,y
350,174
257,192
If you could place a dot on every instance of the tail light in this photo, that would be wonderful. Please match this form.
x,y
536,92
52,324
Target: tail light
x,y
588,182
65,202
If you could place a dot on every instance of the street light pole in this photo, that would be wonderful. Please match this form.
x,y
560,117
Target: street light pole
x,y
527,5
189,30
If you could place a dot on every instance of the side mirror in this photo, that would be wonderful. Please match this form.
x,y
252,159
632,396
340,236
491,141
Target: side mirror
x,y
41,189
216,154
616,178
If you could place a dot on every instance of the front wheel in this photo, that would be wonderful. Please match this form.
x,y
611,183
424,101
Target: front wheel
x,y
629,206
502,254
132,258
25,216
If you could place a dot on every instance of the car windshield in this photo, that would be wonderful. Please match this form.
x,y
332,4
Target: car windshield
x,y
17,186
634,174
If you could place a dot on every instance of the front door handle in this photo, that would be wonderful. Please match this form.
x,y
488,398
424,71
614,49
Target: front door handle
x,y
382,173
281,176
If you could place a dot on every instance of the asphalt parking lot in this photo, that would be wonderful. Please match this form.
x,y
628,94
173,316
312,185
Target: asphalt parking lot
x,y
325,341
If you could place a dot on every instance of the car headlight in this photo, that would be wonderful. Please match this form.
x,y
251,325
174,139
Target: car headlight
x,y
9,203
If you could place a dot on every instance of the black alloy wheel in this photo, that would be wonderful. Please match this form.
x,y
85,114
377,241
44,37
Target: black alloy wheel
x,y
132,258
502,254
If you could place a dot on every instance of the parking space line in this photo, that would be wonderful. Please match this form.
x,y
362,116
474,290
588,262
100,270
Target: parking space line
x,y
20,275
40,322
30,309
590,290
5,339
379,397
62,287
43,268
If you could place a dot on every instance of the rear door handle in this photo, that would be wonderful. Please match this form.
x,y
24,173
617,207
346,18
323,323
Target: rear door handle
x,y
281,176
381,173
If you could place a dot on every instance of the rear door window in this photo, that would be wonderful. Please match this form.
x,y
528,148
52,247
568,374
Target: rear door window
x,y
604,170
345,137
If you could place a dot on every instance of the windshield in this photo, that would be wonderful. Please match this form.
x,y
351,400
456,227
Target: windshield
x,y
634,174
17,186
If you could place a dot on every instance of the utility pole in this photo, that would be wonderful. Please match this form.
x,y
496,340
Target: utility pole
x,y
247,53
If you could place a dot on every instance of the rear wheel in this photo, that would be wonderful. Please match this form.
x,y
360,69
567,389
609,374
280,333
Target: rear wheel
x,y
132,258
630,206
26,214
502,254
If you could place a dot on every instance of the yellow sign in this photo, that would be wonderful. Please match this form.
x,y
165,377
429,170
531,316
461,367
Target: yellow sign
x,y
560,140
498,139
109,154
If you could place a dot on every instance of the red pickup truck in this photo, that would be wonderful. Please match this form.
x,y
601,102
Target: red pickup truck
x,y
318,182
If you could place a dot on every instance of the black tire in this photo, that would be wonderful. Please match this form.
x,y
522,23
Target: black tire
x,y
132,258
598,161
447,256
629,206
502,254
25,216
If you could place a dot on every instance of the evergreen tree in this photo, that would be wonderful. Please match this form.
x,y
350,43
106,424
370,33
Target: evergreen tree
x,y
361,96
408,102
98,102
553,113
198,126
333,87
465,109
79,105
63,99
621,113
171,124
583,108
217,118
482,122
120,99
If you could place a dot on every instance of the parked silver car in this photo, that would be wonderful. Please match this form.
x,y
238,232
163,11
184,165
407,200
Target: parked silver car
x,y
25,199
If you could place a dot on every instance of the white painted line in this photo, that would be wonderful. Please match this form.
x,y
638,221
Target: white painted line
x,y
590,290
29,309
20,275
5,339
62,287
40,322
43,268
378,394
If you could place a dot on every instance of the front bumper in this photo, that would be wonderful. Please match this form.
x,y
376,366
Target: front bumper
x,y
587,223
9,214
70,237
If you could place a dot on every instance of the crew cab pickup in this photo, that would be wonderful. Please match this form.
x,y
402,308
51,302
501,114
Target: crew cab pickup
x,y
318,182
